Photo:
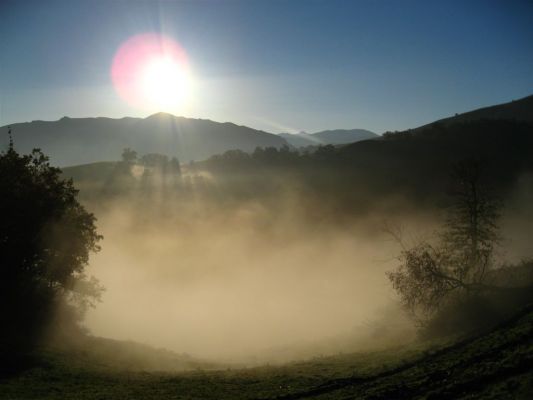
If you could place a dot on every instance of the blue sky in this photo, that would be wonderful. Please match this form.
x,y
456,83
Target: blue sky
x,y
274,65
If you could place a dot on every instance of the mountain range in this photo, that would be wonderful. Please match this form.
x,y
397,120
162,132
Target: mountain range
x,y
74,141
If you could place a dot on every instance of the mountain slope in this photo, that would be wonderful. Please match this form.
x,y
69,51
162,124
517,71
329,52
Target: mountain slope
x,y
516,110
419,161
72,141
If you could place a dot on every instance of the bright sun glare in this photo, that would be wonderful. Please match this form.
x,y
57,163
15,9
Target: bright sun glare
x,y
165,83
151,72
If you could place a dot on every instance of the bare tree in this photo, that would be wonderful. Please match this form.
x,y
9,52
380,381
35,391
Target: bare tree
x,y
471,229
429,275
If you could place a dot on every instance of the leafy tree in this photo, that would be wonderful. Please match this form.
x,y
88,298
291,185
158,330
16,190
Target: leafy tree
x,y
46,237
430,275
121,180
129,156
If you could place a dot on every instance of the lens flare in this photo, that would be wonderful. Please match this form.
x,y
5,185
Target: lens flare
x,y
151,72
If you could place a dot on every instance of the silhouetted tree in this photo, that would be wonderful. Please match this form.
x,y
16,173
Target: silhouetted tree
x,y
471,231
429,275
129,156
175,167
46,237
121,181
154,160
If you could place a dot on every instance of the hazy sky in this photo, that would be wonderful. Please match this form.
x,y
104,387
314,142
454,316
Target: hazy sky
x,y
274,65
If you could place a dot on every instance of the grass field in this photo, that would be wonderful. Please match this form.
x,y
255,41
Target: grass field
x,y
494,365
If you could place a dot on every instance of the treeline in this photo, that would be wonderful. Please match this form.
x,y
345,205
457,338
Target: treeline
x,y
142,174
269,157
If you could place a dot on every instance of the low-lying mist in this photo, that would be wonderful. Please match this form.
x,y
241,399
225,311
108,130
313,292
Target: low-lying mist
x,y
256,281
236,283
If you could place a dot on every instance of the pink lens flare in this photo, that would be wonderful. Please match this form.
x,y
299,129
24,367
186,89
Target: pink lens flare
x,y
133,58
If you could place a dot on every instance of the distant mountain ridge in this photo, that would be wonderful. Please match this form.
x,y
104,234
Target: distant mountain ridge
x,y
335,137
74,141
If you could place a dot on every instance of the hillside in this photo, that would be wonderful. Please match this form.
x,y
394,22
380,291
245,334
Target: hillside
x,y
516,110
74,141
419,162
494,365
497,365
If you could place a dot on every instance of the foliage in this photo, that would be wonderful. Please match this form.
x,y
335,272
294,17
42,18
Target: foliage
x,y
46,238
129,156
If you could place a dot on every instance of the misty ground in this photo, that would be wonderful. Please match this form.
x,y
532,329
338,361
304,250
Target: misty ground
x,y
492,365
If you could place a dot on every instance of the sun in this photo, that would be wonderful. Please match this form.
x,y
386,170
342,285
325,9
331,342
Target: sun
x,y
152,72
165,83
